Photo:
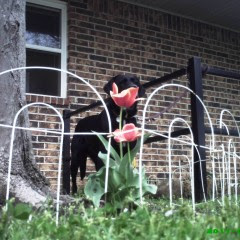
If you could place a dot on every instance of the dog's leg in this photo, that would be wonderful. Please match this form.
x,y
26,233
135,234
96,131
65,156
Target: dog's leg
x,y
83,165
79,160
74,170
98,163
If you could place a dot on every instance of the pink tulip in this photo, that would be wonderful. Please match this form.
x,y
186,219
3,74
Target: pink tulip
x,y
129,133
126,98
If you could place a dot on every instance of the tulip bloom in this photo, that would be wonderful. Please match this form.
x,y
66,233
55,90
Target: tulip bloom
x,y
126,98
129,133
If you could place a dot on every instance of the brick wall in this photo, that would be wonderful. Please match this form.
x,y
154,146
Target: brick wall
x,y
46,145
107,37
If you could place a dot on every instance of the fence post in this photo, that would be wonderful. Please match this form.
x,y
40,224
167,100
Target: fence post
x,y
66,154
198,127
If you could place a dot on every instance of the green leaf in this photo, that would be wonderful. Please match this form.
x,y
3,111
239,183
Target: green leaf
x,y
149,188
22,211
115,179
94,189
133,152
133,180
121,195
146,187
103,156
136,149
100,173
125,168
10,207
123,179
113,152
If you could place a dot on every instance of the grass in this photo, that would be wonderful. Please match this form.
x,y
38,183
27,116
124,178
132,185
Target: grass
x,y
153,221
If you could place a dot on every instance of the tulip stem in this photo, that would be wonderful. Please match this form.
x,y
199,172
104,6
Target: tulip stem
x,y
120,128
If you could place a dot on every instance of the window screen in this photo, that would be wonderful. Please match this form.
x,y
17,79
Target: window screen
x,y
43,48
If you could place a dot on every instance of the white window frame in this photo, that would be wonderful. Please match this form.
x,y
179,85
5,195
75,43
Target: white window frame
x,y
62,6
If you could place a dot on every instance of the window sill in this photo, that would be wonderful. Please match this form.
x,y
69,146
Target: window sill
x,y
52,100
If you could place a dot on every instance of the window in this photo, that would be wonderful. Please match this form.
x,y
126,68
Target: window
x,y
46,46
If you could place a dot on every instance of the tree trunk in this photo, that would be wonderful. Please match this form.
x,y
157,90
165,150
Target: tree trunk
x,y
27,183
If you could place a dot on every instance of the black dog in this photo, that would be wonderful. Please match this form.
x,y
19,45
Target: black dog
x,y
84,146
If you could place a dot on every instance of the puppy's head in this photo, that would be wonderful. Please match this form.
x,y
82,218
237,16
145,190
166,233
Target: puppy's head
x,y
124,82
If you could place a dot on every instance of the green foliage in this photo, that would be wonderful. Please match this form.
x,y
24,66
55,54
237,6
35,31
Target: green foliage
x,y
10,212
22,211
123,180
153,221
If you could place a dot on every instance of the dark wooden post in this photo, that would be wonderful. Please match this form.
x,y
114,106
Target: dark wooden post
x,y
198,127
66,154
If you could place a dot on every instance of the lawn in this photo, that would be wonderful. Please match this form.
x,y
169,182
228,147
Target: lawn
x,y
153,221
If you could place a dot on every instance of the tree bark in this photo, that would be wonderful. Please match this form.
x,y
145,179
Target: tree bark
x,y
27,183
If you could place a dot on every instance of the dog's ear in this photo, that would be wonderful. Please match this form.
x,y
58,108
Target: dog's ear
x,y
108,86
141,91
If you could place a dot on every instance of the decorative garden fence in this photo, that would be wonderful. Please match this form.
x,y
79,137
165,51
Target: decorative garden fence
x,y
221,159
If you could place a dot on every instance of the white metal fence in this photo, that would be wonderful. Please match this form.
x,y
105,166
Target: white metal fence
x,y
221,158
